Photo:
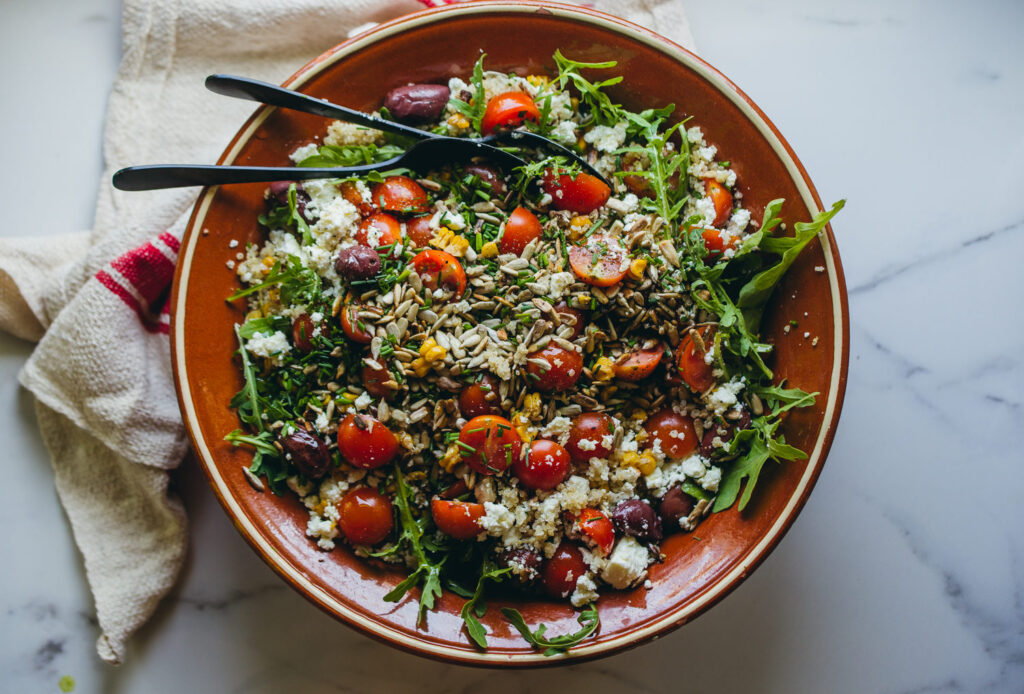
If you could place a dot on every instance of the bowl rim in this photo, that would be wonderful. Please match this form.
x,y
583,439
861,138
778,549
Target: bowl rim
x,y
671,620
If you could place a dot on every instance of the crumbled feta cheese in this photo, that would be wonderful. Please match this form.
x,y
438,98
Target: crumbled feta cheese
x,y
587,444
724,397
303,152
269,346
606,139
363,401
586,591
627,564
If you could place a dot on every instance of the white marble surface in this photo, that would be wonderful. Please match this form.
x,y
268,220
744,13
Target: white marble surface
x,y
905,572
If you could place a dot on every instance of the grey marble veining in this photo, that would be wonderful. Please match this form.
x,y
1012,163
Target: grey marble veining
x,y
905,572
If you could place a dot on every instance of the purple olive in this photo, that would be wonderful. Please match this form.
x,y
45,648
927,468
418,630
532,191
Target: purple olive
x,y
527,563
636,517
307,452
357,263
417,102
723,431
277,195
675,505
489,176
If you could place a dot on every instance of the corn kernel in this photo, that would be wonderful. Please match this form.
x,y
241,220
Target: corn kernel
x,y
457,246
520,422
638,415
441,237
604,369
253,314
581,143
637,267
451,458
427,345
419,366
538,80
457,120
645,462
269,261
531,405
489,249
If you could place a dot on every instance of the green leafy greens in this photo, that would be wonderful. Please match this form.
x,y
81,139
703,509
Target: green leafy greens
x,y
588,619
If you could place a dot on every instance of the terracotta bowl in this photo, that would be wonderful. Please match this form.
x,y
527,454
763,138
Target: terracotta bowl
x,y
700,568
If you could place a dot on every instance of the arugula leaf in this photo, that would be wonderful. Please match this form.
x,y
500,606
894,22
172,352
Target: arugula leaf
x,y
474,608
247,400
474,109
265,325
601,107
287,215
298,284
329,156
763,445
781,399
588,619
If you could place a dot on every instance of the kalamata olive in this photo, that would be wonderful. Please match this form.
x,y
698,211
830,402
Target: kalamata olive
x,y
724,432
307,452
674,505
277,194
636,517
525,563
488,175
357,263
417,102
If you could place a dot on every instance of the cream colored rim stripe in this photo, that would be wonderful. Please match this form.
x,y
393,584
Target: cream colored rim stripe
x,y
254,533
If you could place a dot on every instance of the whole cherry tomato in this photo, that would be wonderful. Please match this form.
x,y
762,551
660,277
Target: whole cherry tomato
x,y
366,443
302,333
378,230
489,444
418,230
596,429
639,364
721,198
365,516
507,111
545,467
354,327
400,194
458,519
581,193
480,397
693,367
440,269
570,316
373,380
561,572
602,261
350,191
674,433
597,527
564,367
521,228
718,241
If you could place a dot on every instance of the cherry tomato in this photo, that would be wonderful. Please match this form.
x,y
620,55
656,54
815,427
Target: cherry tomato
x,y
365,442
568,316
400,194
458,488
639,364
507,111
561,572
365,516
489,444
597,527
563,370
350,191
373,380
638,185
696,372
440,269
592,427
354,327
378,230
581,193
418,230
480,397
721,198
546,466
302,333
673,432
717,241
458,519
490,176
602,261
521,228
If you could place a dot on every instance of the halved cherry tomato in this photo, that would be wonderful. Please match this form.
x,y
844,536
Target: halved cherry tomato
x,y
721,198
593,427
696,372
458,488
639,364
378,230
602,261
302,333
440,269
674,433
480,397
561,572
521,228
400,194
597,527
354,327
581,193
350,191
366,443
458,519
640,186
545,467
569,315
373,380
365,516
717,241
508,110
418,230
489,444
564,367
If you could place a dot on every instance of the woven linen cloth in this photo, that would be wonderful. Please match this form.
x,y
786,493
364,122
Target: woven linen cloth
x,y
96,302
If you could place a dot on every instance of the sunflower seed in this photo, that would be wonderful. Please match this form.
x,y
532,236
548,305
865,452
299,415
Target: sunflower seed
x,y
254,481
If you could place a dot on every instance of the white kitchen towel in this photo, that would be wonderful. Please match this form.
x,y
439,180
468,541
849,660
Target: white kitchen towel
x,y
97,301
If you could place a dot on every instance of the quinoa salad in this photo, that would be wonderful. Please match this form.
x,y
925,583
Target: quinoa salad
x,y
514,380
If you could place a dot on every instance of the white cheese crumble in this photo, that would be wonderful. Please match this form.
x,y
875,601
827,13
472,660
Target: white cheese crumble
x,y
606,139
724,397
627,564
268,346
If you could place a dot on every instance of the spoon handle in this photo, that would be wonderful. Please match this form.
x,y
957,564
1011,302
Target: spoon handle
x,y
160,176
264,92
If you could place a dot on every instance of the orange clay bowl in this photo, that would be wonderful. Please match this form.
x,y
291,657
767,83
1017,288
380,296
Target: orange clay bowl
x,y
520,37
